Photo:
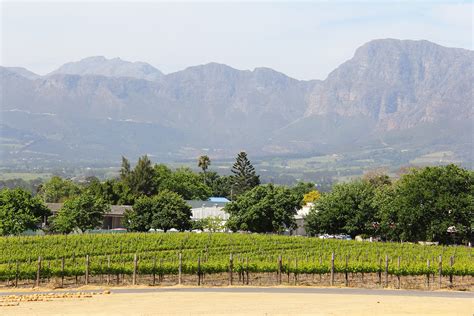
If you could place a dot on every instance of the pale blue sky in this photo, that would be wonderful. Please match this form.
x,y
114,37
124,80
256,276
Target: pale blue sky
x,y
305,40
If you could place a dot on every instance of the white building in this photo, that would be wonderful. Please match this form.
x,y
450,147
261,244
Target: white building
x,y
299,217
211,207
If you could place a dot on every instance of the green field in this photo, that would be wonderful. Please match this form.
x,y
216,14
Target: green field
x,y
436,158
158,253
27,176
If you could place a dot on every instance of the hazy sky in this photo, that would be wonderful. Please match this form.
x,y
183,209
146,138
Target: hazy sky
x,y
304,40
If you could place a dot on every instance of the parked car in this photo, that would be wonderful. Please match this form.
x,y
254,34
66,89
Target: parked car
x,y
326,236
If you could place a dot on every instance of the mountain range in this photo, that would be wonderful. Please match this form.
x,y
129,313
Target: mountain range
x,y
400,94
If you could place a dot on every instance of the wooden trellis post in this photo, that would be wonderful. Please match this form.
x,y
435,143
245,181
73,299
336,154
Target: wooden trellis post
x,y
180,268
296,271
320,265
154,270
247,270
428,273
380,272
17,272
398,273
242,271
108,269
87,270
49,270
332,269
451,263
62,271
161,271
440,271
231,266
279,269
199,270
38,272
346,276
135,267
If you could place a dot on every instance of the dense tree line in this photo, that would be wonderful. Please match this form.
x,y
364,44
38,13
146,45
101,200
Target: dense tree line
x,y
156,192
145,179
29,185
432,204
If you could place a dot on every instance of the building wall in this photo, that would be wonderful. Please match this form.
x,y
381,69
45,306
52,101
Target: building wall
x,y
204,212
112,222
300,230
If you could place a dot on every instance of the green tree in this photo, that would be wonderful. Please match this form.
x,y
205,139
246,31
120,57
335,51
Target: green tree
x,y
377,178
188,184
348,209
165,210
211,224
424,203
162,177
94,186
302,188
265,208
83,212
219,185
138,219
141,179
125,169
57,190
243,176
20,211
113,191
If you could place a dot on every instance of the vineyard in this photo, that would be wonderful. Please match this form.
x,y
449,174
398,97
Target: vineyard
x,y
187,258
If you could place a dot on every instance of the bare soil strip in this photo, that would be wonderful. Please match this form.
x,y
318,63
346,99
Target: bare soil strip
x,y
227,301
95,290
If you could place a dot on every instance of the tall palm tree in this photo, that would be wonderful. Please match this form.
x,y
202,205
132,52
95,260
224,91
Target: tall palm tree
x,y
204,162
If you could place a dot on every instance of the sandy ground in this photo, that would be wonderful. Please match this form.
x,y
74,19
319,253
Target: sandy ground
x,y
215,303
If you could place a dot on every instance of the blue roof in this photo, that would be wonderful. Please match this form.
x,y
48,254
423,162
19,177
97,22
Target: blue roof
x,y
218,199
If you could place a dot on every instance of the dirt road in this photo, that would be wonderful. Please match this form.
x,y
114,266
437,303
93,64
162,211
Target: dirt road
x,y
252,301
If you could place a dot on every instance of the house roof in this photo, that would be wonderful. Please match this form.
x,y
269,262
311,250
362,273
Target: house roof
x,y
218,199
116,210
119,209
206,204
54,207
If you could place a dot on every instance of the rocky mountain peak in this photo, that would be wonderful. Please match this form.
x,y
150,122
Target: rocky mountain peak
x,y
399,83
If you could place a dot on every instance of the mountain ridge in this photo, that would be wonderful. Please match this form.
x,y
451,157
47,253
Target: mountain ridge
x,y
387,86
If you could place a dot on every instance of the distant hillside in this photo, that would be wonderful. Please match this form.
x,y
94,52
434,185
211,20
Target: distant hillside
x,y
99,65
390,91
23,72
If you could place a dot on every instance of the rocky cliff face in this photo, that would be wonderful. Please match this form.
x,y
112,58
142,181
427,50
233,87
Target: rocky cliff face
x,y
389,85
400,84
